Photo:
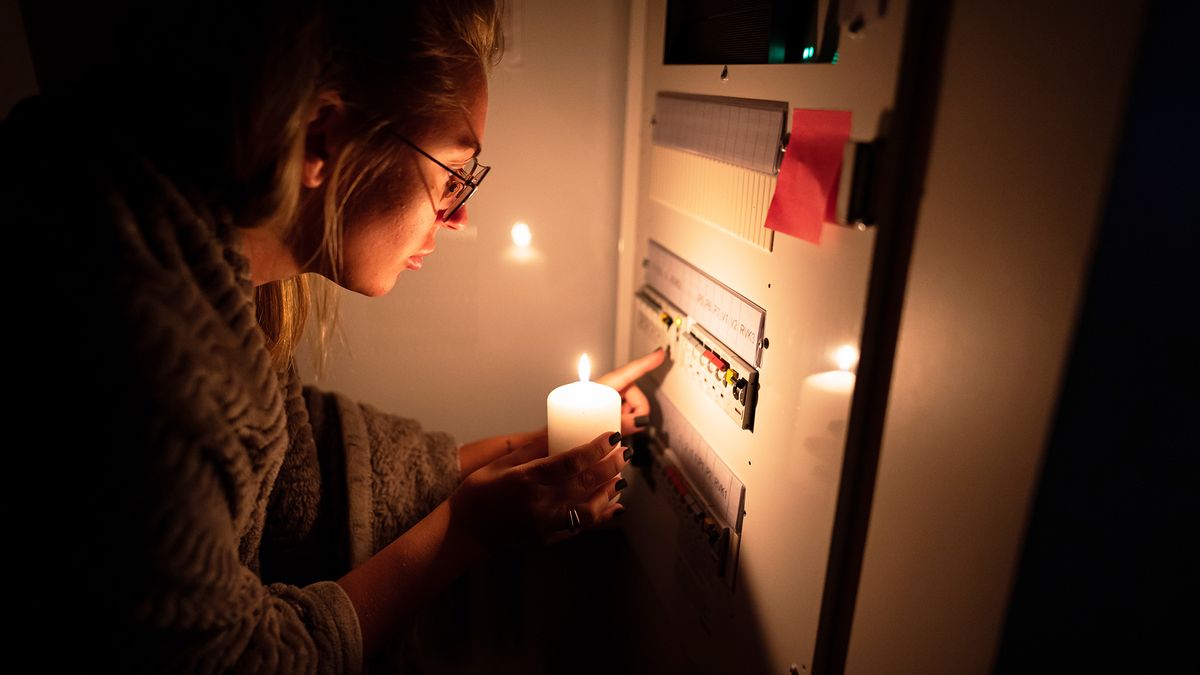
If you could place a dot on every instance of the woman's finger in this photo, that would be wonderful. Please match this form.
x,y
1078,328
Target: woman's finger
x,y
614,486
607,508
627,374
635,412
636,401
591,512
537,448
605,472
598,509
565,466
631,423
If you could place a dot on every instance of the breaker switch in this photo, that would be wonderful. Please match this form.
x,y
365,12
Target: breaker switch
x,y
739,390
676,480
718,362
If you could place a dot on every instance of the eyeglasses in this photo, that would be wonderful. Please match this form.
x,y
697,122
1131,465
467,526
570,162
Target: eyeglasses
x,y
462,181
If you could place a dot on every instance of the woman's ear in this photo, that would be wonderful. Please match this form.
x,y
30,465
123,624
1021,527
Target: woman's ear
x,y
323,139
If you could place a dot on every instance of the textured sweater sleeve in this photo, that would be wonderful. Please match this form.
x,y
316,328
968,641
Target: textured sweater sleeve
x,y
198,609
168,435
395,472
180,547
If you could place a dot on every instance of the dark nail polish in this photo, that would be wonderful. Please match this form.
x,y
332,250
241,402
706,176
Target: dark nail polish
x,y
621,485
620,511
628,453
615,438
641,420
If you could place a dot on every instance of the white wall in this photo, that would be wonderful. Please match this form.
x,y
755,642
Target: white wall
x,y
1031,102
474,341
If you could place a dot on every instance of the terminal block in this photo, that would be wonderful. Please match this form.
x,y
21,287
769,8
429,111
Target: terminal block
x,y
728,380
707,543
656,322
710,365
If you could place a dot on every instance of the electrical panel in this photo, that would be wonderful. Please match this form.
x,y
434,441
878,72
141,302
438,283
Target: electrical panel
x,y
734,507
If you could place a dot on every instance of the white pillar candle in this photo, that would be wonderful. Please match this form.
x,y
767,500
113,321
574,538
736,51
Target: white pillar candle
x,y
578,412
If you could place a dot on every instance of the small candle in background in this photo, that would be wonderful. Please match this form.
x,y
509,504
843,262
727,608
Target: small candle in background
x,y
578,412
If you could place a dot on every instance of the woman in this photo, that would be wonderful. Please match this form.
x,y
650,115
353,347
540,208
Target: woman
x,y
222,516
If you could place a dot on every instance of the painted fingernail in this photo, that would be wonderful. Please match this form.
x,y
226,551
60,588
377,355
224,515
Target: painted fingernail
x,y
619,512
628,453
641,420
621,484
615,438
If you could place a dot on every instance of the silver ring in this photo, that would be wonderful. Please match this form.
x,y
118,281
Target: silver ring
x,y
573,519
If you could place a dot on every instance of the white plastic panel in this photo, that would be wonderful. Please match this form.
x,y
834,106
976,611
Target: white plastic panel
x,y
814,298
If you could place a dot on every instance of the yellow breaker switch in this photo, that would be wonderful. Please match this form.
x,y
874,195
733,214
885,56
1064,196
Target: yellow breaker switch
x,y
731,376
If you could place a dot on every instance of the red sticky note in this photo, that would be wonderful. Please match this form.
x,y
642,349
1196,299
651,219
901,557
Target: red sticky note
x,y
806,191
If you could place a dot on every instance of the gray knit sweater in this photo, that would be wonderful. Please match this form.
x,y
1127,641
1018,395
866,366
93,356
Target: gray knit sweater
x,y
205,502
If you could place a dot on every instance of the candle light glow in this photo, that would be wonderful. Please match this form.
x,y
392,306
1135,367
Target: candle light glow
x,y
521,235
846,357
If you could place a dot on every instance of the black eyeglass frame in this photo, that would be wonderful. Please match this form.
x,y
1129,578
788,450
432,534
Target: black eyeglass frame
x,y
467,183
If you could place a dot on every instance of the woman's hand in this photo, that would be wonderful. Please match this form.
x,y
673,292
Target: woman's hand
x,y
635,411
526,496
477,454
635,407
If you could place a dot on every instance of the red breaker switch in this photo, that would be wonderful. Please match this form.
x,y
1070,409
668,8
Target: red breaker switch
x,y
719,364
676,480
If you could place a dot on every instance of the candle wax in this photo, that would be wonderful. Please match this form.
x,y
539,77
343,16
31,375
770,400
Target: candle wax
x,y
578,412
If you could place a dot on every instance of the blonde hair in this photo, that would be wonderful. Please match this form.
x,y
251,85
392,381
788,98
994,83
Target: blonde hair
x,y
400,66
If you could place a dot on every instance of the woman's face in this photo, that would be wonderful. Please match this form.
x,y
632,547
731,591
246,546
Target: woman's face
x,y
393,225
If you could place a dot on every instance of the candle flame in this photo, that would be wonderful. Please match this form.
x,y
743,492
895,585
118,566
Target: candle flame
x,y
846,357
585,368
